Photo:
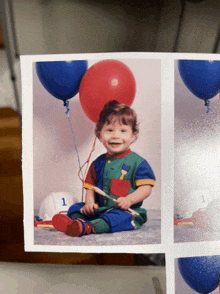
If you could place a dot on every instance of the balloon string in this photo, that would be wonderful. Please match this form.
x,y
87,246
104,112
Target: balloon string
x,y
87,161
207,103
74,140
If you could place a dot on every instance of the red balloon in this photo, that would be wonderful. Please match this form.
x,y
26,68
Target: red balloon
x,y
105,81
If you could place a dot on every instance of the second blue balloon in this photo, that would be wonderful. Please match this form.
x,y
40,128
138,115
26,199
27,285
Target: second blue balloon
x,y
201,77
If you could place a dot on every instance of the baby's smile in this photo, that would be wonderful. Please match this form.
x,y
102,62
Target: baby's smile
x,y
115,143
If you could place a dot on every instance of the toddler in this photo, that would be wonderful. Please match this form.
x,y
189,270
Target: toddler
x,y
120,173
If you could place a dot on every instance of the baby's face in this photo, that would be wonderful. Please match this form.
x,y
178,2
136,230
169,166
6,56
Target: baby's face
x,y
116,137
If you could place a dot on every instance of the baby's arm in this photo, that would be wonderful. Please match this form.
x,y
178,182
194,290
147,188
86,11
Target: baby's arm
x,y
141,193
90,204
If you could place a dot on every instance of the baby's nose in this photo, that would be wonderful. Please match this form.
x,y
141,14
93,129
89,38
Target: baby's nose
x,y
116,134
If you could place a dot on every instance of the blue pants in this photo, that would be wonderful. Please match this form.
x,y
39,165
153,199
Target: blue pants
x,y
118,220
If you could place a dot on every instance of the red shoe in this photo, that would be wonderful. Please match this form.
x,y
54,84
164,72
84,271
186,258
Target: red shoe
x,y
74,228
61,221
79,228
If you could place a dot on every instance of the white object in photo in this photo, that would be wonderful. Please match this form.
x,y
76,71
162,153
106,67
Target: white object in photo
x,y
55,203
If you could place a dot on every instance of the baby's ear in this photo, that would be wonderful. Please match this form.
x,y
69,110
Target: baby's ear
x,y
98,135
135,136
135,133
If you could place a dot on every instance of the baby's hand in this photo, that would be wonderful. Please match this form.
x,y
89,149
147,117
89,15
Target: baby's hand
x,y
123,203
88,209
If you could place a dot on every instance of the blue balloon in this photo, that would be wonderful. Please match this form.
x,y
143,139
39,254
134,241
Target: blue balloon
x,y
201,77
61,78
201,273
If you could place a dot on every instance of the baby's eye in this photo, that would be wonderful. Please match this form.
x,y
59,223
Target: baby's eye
x,y
123,130
109,130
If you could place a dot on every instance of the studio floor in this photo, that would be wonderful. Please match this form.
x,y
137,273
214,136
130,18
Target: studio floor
x,y
150,233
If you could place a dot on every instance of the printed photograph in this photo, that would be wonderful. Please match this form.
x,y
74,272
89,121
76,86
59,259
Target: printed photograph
x,y
197,153
96,152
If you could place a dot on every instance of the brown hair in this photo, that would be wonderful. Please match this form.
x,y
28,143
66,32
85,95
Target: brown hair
x,y
114,109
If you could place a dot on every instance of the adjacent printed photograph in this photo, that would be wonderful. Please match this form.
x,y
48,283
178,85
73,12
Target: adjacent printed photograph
x,y
197,153
199,274
96,151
